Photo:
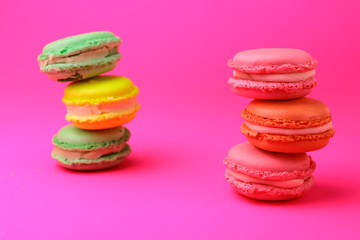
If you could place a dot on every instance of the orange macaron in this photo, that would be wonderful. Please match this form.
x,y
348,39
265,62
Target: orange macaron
x,y
291,126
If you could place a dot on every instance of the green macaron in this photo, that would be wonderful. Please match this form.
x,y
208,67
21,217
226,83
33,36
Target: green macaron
x,y
79,149
80,57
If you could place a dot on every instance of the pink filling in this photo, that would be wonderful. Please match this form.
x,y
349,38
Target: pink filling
x,y
94,154
82,57
100,108
277,183
275,77
289,131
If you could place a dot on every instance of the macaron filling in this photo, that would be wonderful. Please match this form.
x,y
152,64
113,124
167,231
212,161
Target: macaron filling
x,y
67,74
274,77
104,158
289,183
289,131
100,117
80,154
100,108
83,57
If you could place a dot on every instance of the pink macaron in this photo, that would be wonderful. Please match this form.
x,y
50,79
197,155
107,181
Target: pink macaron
x,y
265,175
272,73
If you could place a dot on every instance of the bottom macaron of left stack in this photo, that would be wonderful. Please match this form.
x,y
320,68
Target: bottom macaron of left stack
x,y
87,150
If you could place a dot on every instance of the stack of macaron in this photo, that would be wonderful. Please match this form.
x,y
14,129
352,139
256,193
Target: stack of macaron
x,y
281,124
97,105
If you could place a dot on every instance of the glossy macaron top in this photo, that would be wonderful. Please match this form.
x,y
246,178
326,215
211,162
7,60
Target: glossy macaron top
x,y
99,89
253,161
298,113
71,137
272,60
79,43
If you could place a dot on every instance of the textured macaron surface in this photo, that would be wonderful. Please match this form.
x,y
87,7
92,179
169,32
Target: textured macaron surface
x,y
78,43
73,138
252,161
298,113
272,60
100,89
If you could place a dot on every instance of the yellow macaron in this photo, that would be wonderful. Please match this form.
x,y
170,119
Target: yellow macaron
x,y
101,102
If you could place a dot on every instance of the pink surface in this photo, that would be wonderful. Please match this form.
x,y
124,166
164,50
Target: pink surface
x,y
173,186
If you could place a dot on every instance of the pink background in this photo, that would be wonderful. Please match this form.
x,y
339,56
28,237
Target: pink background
x,y
173,186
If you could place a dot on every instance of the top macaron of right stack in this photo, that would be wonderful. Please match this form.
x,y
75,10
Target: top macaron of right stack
x,y
272,73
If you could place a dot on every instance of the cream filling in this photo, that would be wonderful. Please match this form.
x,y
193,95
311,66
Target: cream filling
x,y
82,57
289,131
275,77
94,154
292,183
100,108
84,73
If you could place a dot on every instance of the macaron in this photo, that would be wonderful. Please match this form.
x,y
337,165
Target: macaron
x,y
101,102
291,126
80,57
84,150
272,73
264,175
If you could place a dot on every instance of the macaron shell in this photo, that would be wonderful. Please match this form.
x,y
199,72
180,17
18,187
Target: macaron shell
x,y
77,43
73,138
267,192
272,60
109,88
283,123
103,121
301,109
276,95
289,147
92,166
285,143
271,90
252,161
